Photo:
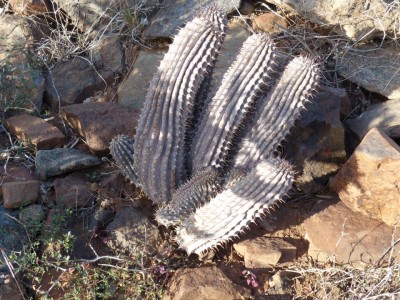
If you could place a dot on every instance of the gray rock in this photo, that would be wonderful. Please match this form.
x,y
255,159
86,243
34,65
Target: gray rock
x,y
131,232
316,144
22,84
62,160
385,116
132,92
32,217
375,69
73,81
357,19
12,233
174,13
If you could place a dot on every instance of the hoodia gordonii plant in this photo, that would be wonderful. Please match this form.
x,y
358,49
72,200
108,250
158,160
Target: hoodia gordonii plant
x,y
228,176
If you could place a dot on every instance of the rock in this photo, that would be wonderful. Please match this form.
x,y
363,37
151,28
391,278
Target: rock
x,y
73,191
335,232
269,22
12,233
280,285
14,174
16,194
236,34
32,217
132,91
99,123
316,144
175,13
62,160
356,19
204,283
246,8
131,232
8,288
108,55
369,182
22,83
385,116
35,132
264,252
374,68
103,16
30,7
73,81
345,101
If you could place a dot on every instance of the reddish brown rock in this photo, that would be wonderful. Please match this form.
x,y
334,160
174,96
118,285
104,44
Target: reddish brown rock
x,y
73,191
263,252
35,132
29,7
16,194
14,174
98,123
335,232
72,82
204,283
269,22
369,182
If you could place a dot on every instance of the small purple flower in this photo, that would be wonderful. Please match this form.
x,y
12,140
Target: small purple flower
x,y
250,278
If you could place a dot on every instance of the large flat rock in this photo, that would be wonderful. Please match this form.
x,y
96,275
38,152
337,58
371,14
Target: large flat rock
x,y
34,132
62,160
337,233
375,69
369,182
175,13
98,123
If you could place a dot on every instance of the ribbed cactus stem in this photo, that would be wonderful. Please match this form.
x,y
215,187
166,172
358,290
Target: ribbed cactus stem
x,y
242,85
160,138
279,110
121,149
198,190
232,211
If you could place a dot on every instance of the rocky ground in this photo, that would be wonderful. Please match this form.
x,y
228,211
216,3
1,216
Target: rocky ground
x,y
72,227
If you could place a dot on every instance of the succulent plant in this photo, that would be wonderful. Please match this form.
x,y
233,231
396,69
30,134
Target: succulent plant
x,y
227,176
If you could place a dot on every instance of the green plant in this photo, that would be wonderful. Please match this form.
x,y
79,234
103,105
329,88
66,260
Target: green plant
x,y
45,266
